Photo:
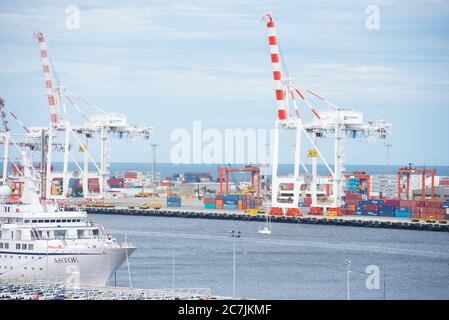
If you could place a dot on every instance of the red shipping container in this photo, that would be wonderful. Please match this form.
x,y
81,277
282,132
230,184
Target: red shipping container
x,y
433,204
371,207
352,202
131,175
427,215
444,182
391,203
420,203
407,203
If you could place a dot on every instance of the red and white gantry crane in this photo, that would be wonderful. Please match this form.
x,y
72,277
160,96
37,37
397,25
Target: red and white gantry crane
x,y
337,123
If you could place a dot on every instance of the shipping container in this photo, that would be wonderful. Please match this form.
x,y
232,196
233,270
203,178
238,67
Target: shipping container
x,y
407,203
374,201
229,206
209,200
403,214
387,213
391,203
371,207
370,213
388,208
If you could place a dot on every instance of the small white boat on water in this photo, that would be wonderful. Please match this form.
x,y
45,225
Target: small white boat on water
x,y
267,228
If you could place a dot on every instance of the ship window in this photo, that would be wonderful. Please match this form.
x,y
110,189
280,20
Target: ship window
x,y
95,232
59,220
40,221
6,245
52,220
80,234
60,234
31,247
46,221
18,246
1,245
64,220
34,221
27,221
24,246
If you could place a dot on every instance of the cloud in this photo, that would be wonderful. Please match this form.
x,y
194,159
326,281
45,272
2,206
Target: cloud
x,y
353,68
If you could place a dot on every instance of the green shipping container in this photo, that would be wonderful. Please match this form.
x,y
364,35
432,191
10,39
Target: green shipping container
x,y
209,205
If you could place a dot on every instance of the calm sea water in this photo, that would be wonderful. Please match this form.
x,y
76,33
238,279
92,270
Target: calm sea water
x,y
295,262
168,169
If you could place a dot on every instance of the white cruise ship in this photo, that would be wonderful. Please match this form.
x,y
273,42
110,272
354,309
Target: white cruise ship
x,y
43,242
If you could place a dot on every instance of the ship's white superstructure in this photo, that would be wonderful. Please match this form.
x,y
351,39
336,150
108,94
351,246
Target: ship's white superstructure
x,y
39,240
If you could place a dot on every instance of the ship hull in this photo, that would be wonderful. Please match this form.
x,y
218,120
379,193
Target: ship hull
x,y
93,267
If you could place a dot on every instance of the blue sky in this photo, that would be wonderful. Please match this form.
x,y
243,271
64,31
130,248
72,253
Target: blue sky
x,y
168,63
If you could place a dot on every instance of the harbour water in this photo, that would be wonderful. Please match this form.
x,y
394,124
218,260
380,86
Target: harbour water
x,y
294,262
168,169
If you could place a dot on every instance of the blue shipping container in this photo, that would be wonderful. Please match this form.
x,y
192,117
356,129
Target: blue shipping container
x,y
375,201
173,204
387,214
401,214
229,206
388,208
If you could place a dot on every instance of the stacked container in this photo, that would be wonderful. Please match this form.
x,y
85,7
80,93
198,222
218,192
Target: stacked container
x,y
173,201
219,202
209,201
387,211
445,206
230,202
369,207
352,200
93,185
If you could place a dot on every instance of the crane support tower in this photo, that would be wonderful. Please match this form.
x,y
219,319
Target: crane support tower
x,y
404,187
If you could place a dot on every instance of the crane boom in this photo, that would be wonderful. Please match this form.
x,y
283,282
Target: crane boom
x,y
39,35
275,63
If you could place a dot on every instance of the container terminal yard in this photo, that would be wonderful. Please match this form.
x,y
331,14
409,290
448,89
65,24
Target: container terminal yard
x,y
411,198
